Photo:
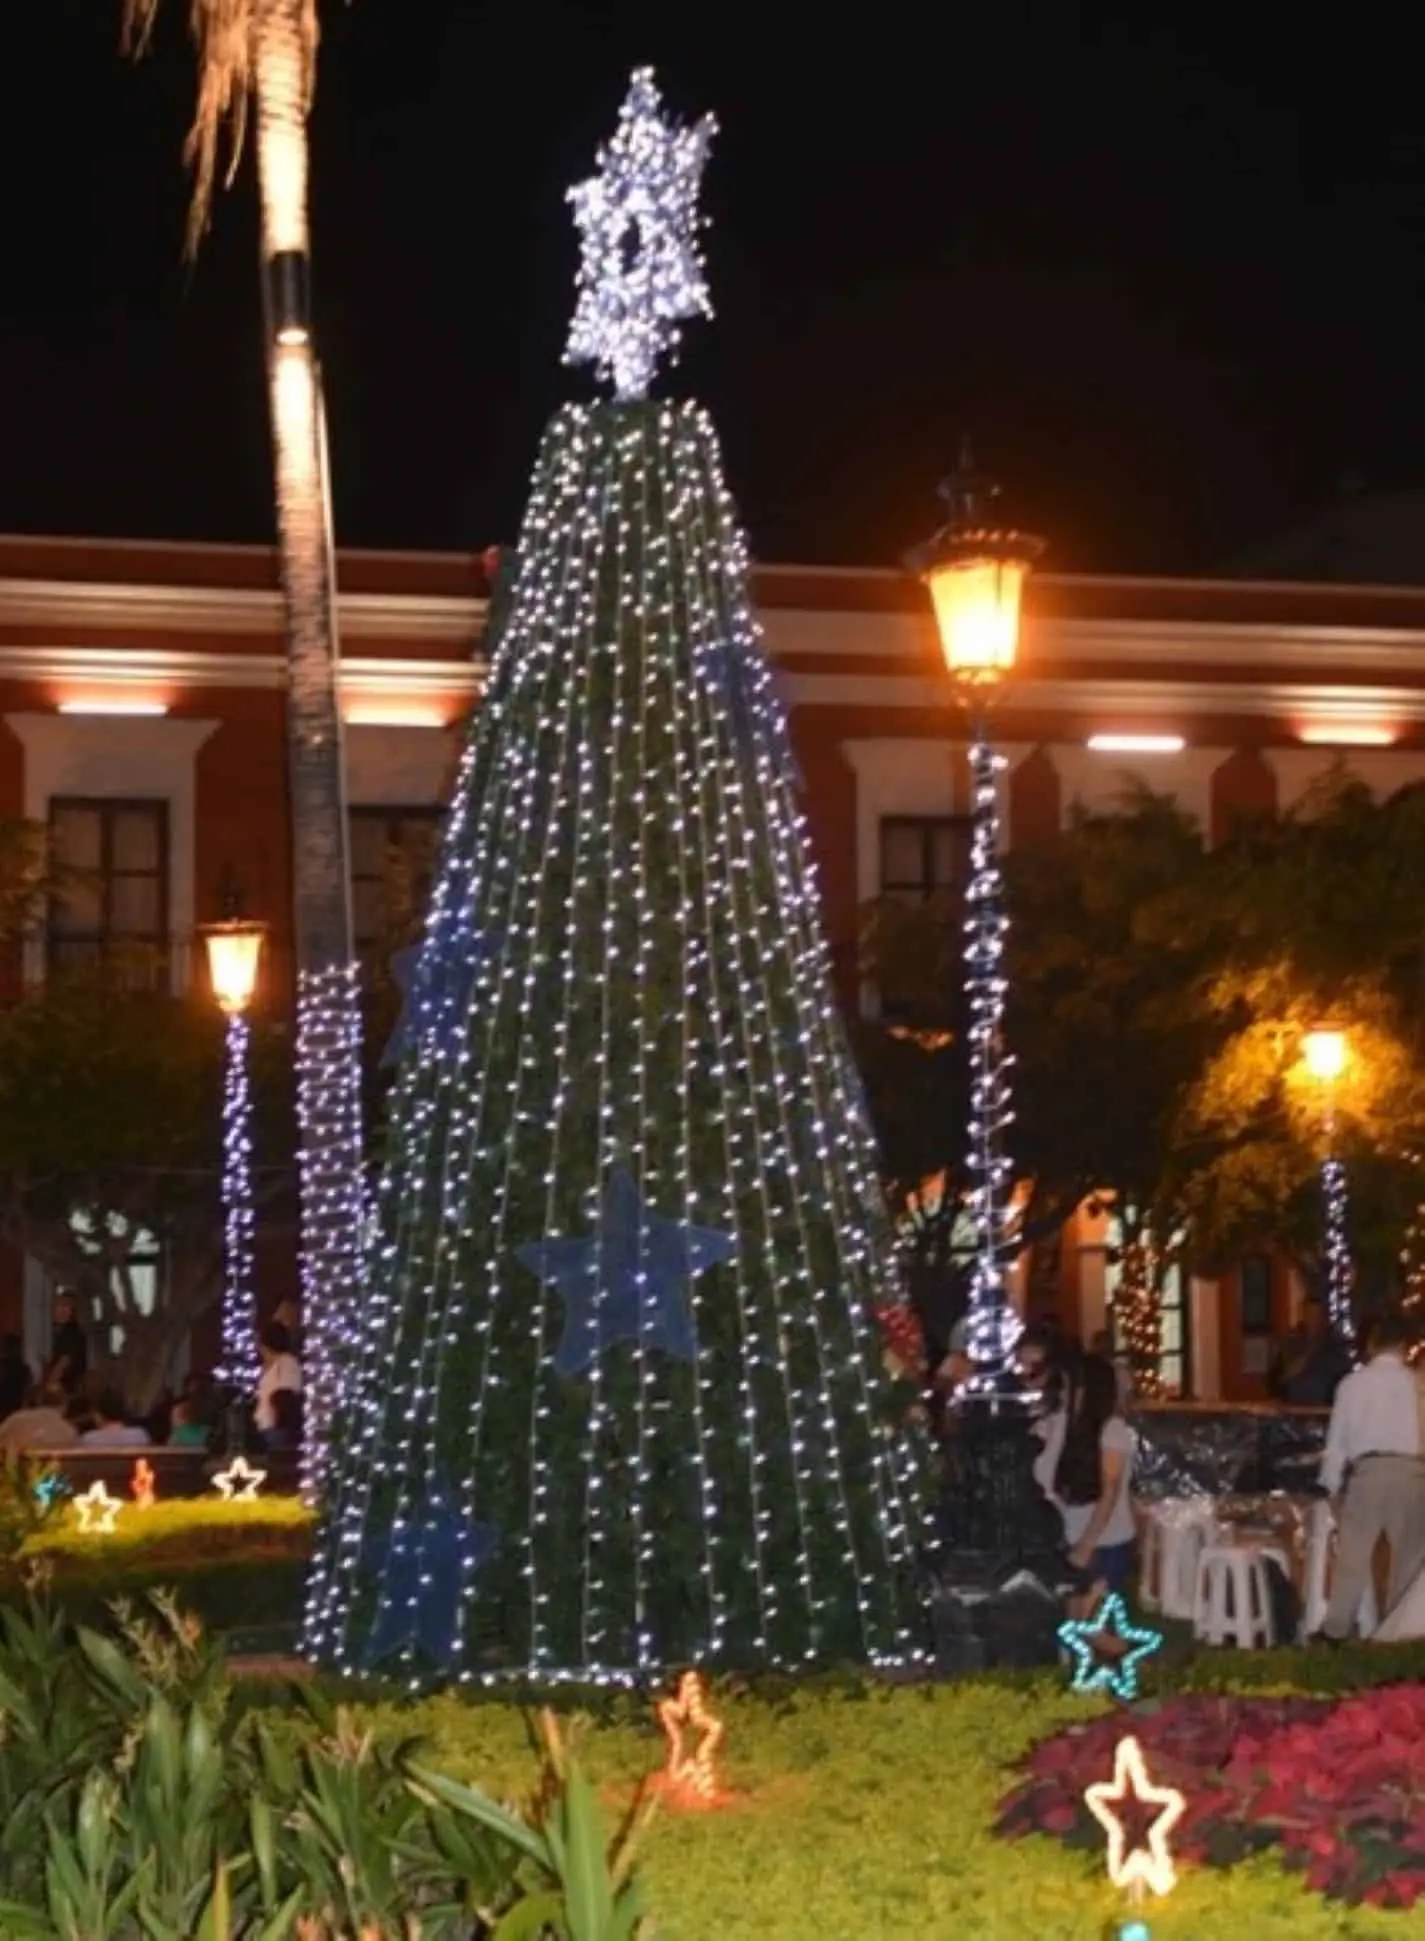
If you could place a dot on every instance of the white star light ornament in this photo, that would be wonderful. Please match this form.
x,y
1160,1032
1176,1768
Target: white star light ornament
x,y
97,1511
239,1483
640,268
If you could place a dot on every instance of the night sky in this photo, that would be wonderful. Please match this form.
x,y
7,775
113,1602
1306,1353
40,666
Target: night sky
x,y
1172,277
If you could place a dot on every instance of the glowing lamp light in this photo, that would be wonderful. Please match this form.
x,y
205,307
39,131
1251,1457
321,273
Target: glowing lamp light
x,y
141,1487
690,1778
234,952
1136,1864
239,1482
977,598
975,574
97,1511
1324,1054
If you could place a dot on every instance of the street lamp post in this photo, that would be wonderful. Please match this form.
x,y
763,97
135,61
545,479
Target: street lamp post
x,y
1326,1055
999,1561
234,952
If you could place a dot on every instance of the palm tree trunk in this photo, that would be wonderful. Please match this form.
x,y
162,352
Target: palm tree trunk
x,y
328,1013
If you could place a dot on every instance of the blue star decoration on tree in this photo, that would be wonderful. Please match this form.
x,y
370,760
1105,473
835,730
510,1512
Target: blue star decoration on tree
x,y
447,981
628,1281
1114,1671
423,1569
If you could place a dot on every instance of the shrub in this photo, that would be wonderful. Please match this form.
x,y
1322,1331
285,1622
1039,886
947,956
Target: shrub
x,y
140,1802
1337,1786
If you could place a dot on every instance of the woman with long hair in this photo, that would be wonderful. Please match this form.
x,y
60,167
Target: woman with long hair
x,y
1085,1469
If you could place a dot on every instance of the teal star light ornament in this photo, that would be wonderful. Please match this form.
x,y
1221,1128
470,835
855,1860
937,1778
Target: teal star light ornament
x,y
640,270
1095,1672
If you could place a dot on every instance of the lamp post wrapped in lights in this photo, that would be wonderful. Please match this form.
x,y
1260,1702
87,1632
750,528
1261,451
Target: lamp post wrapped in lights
x,y
976,575
999,1567
234,953
1326,1054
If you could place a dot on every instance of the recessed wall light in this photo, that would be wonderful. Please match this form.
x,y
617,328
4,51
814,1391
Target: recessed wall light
x,y
1137,744
394,715
114,707
1346,734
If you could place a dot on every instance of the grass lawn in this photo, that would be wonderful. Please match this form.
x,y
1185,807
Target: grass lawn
x,y
866,1817
862,1814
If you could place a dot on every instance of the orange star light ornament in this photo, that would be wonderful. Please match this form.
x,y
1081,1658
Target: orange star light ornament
x,y
1136,1867
142,1486
690,1777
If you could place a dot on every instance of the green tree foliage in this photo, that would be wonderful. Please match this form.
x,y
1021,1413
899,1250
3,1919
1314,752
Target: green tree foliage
x,y
1160,992
110,1126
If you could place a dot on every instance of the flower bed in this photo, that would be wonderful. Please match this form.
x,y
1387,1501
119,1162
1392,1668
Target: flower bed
x,y
1337,1787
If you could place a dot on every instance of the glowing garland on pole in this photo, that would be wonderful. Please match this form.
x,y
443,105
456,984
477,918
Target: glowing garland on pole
x,y
631,1224
240,1365
1338,1250
993,1327
333,1204
1136,1309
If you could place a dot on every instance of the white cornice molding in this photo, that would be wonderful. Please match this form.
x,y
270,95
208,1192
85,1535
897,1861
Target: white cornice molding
x,y
104,668
795,633
79,604
1140,705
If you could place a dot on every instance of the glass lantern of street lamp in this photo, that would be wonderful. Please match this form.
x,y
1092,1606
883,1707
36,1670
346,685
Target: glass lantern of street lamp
x,y
234,953
1325,1054
975,573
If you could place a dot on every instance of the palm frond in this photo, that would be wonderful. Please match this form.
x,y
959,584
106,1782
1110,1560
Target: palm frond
x,y
225,37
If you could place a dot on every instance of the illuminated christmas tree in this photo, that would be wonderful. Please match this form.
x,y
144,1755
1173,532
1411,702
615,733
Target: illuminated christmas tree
x,y
619,1405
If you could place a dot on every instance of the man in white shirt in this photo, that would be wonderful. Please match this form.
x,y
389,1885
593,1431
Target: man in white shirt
x,y
280,1369
1373,1470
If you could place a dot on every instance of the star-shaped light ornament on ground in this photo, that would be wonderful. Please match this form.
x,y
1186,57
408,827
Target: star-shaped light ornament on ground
x,y
1136,1863
628,1281
640,269
97,1511
1114,1671
423,1571
239,1482
690,1778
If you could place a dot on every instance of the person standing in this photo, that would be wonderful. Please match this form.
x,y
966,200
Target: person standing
x,y
69,1349
1086,1469
280,1369
1373,1472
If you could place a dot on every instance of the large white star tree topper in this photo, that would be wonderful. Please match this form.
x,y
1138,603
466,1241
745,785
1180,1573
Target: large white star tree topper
x,y
640,268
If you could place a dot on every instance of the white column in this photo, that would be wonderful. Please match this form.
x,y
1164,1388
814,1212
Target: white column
x,y
1205,1338
1097,782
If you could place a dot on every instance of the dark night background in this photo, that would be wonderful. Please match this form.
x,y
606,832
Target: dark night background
x,y
1172,275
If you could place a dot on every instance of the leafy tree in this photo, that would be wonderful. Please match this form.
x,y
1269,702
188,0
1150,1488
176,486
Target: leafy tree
x,y
1323,920
110,1127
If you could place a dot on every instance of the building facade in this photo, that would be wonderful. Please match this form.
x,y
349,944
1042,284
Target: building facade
x,y
141,694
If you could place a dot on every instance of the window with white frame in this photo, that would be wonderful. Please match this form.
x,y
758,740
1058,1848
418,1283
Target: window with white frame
x,y
393,857
110,905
